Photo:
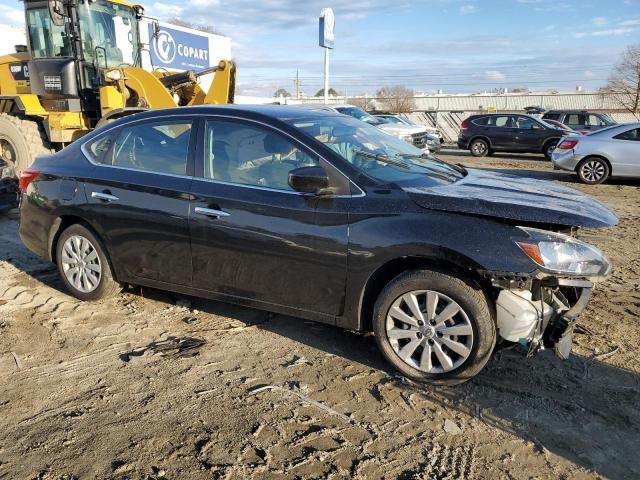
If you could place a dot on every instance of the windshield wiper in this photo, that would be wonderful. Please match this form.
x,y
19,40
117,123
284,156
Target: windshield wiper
x,y
425,156
382,158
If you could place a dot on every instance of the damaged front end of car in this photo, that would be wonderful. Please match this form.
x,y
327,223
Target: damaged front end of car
x,y
539,310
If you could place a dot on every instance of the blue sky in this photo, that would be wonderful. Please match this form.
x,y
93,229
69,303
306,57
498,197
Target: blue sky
x,y
453,45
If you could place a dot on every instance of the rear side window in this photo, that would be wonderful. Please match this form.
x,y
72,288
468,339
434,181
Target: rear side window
x,y
161,147
98,148
552,116
501,121
575,119
633,135
481,122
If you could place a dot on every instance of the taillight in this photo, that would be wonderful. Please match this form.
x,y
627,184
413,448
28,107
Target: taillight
x,y
26,177
464,125
567,144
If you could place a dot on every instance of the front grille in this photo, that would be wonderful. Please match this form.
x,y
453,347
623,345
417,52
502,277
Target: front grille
x,y
419,139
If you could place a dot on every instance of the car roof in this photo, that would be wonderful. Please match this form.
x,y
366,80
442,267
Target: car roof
x,y
279,112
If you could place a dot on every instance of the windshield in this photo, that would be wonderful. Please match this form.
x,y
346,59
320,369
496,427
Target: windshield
x,y
109,34
608,120
395,120
360,114
381,156
47,40
555,126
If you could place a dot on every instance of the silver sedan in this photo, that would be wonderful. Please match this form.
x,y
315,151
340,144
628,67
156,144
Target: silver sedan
x,y
609,152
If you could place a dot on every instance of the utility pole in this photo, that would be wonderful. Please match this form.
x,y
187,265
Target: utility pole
x,y
297,83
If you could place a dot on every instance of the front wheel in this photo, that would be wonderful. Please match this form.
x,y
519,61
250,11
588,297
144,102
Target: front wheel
x,y
593,170
434,328
83,265
479,148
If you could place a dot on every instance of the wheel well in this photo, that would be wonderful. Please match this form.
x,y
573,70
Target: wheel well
x,y
59,226
606,160
480,137
548,141
387,272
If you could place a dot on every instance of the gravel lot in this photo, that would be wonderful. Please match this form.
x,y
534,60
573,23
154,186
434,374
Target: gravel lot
x,y
152,385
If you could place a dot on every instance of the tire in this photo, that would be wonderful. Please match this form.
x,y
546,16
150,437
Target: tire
x,y
70,244
479,148
593,170
549,148
475,327
21,140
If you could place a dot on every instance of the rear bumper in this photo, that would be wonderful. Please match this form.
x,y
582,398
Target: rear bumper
x,y
565,159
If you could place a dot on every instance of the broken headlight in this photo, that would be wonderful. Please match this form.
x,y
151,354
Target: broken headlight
x,y
563,254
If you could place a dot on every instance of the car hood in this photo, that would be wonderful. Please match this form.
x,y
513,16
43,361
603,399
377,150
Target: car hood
x,y
511,197
395,129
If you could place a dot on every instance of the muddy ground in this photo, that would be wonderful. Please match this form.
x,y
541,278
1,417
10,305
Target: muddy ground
x,y
152,385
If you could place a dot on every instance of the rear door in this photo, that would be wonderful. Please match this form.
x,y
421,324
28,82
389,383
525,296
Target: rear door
x,y
501,132
138,197
253,237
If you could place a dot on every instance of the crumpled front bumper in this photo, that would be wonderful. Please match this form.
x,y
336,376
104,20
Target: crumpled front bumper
x,y
541,313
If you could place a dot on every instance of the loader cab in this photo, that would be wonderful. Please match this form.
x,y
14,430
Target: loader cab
x,y
72,43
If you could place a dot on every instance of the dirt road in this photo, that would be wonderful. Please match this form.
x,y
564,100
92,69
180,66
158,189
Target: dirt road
x,y
151,385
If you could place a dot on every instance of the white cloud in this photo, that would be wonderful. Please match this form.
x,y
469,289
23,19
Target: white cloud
x,y
468,9
612,32
166,10
494,75
12,16
633,21
588,74
548,28
600,21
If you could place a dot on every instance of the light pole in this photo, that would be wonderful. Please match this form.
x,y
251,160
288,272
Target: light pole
x,y
327,39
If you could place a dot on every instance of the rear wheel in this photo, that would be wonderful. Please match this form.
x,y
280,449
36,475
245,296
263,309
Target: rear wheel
x,y
479,148
593,170
433,327
83,265
549,148
21,140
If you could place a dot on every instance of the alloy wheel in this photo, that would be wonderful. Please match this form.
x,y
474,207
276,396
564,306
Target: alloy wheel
x,y
429,331
479,148
593,171
81,264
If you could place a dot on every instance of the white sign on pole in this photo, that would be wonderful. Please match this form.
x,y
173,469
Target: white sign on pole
x,y
327,40
327,28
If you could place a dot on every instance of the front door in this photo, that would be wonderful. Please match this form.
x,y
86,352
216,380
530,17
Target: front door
x,y
139,196
255,238
529,134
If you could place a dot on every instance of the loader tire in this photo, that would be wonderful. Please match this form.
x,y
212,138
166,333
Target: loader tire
x,y
21,140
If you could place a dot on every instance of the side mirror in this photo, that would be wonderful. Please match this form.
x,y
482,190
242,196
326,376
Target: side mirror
x,y
56,12
309,180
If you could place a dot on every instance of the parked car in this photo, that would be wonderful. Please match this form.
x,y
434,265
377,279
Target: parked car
x,y
397,119
580,120
318,216
605,153
500,132
415,135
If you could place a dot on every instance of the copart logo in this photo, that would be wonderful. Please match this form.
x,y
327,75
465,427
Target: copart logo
x,y
165,46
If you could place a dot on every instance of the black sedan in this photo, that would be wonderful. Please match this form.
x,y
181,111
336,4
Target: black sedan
x,y
319,216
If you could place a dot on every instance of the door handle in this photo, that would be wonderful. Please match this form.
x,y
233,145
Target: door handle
x,y
210,212
105,197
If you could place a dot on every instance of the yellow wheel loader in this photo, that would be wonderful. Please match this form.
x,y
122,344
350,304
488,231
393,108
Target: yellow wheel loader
x,y
82,68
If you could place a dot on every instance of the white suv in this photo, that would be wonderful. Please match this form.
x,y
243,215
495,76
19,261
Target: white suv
x,y
416,135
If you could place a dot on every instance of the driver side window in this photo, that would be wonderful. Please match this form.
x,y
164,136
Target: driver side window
x,y
236,152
